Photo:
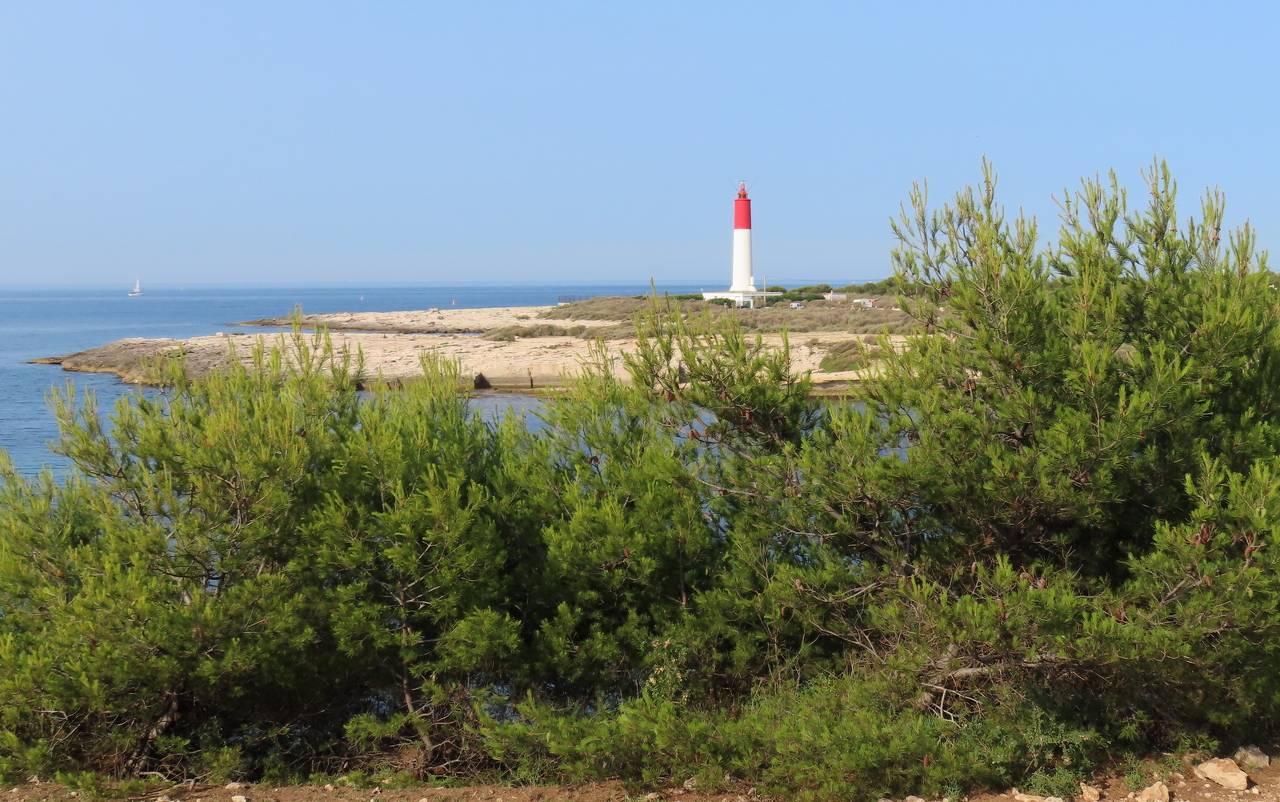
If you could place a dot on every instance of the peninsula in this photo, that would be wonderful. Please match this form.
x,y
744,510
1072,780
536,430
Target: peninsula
x,y
518,348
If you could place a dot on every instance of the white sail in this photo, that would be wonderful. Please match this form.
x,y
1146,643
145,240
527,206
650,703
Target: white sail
x,y
137,288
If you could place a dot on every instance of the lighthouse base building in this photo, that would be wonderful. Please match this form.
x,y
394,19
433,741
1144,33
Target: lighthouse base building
x,y
742,288
748,298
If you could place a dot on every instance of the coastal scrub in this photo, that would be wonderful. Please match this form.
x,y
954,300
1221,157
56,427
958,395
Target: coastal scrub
x,y
1041,541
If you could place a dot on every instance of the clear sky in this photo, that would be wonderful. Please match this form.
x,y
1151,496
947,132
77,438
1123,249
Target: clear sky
x,y
545,141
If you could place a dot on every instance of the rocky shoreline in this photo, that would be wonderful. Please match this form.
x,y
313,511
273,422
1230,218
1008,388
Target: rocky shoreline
x,y
392,345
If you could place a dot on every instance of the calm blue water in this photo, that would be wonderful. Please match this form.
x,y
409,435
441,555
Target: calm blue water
x,y
36,323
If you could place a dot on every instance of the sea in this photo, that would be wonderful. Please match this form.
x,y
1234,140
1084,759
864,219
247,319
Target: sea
x,y
56,321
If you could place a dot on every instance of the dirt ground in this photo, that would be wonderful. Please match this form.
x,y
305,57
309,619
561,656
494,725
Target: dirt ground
x,y
1183,786
595,792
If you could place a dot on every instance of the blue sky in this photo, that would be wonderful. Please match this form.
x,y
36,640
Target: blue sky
x,y
558,142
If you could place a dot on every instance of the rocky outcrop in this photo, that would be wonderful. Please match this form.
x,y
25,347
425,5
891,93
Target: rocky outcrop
x,y
1224,772
134,360
528,364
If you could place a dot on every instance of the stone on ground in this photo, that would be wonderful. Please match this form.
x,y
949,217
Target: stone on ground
x,y
1156,792
1224,772
1088,793
1251,757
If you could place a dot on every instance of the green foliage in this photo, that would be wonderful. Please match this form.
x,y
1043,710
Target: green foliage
x,y
833,738
809,292
1039,543
896,284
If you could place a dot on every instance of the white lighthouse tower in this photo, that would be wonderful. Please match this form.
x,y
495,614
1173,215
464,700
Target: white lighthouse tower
x,y
742,284
744,280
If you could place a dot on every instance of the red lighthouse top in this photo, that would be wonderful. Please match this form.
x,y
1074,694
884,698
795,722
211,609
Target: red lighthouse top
x,y
742,208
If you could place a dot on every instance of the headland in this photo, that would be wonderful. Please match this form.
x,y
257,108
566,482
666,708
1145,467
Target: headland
x,y
514,348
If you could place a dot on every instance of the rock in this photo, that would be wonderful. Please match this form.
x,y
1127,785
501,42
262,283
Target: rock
x,y
239,798
481,383
690,784
328,786
233,786
652,796
913,799
1088,793
1156,792
1254,790
1251,757
1224,772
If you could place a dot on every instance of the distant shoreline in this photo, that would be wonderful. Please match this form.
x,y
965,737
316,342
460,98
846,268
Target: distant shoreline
x,y
393,343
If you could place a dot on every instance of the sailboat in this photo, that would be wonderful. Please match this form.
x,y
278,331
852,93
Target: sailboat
x,y
137,288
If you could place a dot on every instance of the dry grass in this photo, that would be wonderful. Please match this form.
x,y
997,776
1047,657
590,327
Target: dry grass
x,y
841,316
510,333
824,316
621,308
849,355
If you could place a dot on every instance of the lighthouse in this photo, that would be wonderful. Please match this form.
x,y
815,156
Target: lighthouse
x,y
742,279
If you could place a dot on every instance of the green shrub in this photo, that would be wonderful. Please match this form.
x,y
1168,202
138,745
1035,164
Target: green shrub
x,y
1037,545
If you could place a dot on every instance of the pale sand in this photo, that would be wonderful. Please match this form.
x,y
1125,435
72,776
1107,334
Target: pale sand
x,y
437,321
521,364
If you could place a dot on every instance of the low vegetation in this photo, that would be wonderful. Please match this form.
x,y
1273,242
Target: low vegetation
x,y
848,355
1044,539
814,316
